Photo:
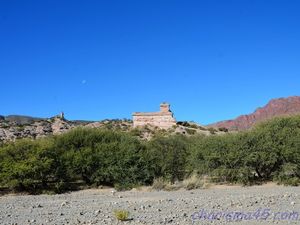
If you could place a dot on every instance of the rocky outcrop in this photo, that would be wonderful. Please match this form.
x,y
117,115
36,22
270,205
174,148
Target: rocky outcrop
x,y
12,130
276,107
59,126
17,127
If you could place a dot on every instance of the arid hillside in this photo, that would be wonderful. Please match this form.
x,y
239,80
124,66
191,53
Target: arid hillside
x,y
275,108
17,127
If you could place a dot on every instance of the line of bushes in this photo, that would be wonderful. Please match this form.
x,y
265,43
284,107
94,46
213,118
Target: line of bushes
x,y
271,151
93,157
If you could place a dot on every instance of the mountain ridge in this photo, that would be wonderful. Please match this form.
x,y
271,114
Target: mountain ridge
x,y
17,126
274,108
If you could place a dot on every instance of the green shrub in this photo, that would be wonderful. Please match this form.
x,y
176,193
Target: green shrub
x,y
167,157
122,215
191,131
223,129
292,181
28,165
288,175
212,130
183,123
105,157
194,126
248,157
93,157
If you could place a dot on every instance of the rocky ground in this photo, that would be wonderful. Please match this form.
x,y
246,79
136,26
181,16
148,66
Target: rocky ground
x,y
267,204
18,127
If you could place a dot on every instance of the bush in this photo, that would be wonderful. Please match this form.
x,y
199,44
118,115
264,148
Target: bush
x,y
288,175
93,157
292,181
191,131
212,130
122,215
28,165
105,157
194,126
223,129
84,156
249,157
183,123
167,157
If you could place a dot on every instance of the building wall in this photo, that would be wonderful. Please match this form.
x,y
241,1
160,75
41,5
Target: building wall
x,y
162,121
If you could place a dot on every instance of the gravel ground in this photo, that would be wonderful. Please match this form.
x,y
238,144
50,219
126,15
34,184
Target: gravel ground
x,y
267,204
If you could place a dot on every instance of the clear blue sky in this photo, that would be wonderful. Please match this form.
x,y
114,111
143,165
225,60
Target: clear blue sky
x,y
212,60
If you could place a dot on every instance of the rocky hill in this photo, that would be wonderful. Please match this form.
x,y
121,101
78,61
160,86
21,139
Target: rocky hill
x,y
275,108
17,127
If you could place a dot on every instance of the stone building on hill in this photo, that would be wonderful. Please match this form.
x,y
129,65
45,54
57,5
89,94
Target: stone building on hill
x,y
163,119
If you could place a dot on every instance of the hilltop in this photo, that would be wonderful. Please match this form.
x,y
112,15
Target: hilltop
x,y
14,127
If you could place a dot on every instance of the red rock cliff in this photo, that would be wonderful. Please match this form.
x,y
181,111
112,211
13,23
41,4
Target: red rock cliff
x,y
276,107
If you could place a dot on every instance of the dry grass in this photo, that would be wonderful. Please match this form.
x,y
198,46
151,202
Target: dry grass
x,y
173,187
159,184
192,182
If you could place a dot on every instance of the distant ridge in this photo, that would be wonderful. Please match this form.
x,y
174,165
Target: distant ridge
x,y
20,119
275,108
27,120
